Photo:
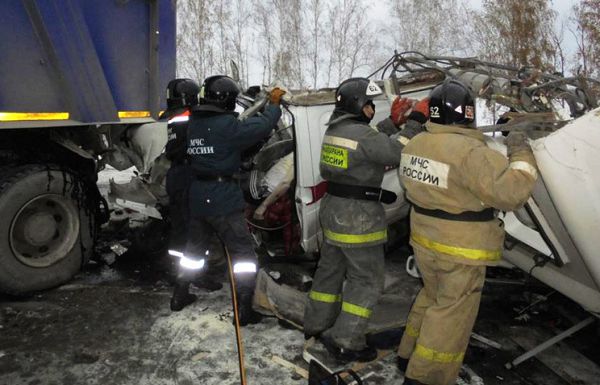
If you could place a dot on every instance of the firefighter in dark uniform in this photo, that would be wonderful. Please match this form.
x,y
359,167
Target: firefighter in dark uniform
x,y
455,182
216,139
349,278
182,95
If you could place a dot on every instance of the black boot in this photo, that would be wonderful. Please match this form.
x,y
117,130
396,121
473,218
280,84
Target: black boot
x,y
308,336
402,363
205,282
410,381
245,312
346,355
181,297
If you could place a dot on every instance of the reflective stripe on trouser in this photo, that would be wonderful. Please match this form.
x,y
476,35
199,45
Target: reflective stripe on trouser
x,y
441,319
345,318
353,239
232,230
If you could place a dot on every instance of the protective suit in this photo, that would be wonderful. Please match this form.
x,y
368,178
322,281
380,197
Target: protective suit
x,y
349,278
455,183
216,139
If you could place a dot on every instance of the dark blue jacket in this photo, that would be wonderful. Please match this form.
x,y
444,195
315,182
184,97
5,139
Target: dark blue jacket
x,y
175,150
216,140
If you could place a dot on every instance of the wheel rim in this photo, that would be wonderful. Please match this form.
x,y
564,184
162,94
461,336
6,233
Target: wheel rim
x,y
44,230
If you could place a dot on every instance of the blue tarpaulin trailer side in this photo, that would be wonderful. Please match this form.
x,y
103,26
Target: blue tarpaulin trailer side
x,y
85,61
80,81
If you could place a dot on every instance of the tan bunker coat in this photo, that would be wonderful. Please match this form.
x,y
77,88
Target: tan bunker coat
x,y
454,182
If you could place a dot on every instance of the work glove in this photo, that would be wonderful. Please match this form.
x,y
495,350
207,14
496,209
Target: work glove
x,y
420,111
275,95
416,119
516,142
412,128
399,110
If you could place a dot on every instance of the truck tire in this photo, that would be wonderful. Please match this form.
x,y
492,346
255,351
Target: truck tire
x,y
45,231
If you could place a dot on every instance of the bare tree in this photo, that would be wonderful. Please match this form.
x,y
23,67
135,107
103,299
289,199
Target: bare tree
x,y
241,37
194,35
349,39
314,19
442,29
558,37
517,32
265,34
222,16
587,35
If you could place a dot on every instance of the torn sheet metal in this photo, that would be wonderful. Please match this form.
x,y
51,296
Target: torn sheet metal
x,y
288,303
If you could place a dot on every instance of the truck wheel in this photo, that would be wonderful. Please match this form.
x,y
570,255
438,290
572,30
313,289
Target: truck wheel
x,y
45,232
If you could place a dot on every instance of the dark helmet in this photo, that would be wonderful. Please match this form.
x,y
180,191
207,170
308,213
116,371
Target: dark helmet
x,y
451,103
352,95
220,91
182,93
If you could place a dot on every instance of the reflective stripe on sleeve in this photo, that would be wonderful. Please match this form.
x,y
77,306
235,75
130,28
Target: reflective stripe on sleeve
x,y
403,140
356,310
411,331
343,142
324,297
355,238
436,356
475,254
523,166
179,119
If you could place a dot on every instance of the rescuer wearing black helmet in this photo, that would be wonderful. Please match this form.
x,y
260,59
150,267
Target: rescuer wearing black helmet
x,y
182,96
455,183
216,139
349,278
452,103
220,91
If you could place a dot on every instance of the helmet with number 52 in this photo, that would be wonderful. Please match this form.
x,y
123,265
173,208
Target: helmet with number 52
x,y
452,102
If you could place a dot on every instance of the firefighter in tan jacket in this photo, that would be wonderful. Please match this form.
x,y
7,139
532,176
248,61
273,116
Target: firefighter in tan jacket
x,y
456,184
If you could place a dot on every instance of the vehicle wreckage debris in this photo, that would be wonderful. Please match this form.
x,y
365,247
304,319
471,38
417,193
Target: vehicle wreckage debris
x,y
286,364
486,341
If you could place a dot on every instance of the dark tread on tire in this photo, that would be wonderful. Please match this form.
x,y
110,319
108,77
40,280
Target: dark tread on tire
x,y
15,277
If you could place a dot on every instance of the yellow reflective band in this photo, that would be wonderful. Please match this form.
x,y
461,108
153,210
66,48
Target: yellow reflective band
x,y
334,156
324,297
435,356
134,114
343,142
16,116
475,254
356,310
356,238
411,331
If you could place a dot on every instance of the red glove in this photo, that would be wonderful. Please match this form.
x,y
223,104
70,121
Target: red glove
x,y
422,106
399,110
